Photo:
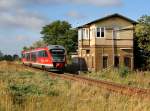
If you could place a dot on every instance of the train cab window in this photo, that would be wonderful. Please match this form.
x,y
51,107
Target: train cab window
x,y
57,53
42,53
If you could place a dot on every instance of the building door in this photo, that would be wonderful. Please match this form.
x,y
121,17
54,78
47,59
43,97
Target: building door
x,y
116,61
127,62
105,61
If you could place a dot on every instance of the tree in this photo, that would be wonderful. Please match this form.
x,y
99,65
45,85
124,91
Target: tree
x,y
143,33
39,43
1,56
25,48
8,58
60,33
70,40
142,41
15,57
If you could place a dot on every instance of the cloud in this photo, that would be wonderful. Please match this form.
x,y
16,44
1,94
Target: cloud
x,y
24,20
12,18
20,38
75,14
14,15
6,5
102,3
24,3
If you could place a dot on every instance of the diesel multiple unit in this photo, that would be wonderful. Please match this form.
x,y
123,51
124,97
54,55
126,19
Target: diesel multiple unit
x,y
52,57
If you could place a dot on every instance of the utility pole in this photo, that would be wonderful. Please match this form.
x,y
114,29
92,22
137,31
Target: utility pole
x,y
80,46
113,45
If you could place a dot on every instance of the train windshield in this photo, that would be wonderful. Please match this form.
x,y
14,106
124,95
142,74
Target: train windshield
x,y
58,54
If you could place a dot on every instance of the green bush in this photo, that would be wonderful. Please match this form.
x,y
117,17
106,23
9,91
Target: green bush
x,y
123,71
20,91
24,89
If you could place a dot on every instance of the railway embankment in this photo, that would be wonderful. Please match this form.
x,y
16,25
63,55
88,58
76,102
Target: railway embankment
x,y
27,89
139,79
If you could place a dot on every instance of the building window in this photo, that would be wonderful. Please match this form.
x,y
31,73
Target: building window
x,y
101,32
127,61
105,61
98,32
84,33
116,61
87,51
87,33
80,34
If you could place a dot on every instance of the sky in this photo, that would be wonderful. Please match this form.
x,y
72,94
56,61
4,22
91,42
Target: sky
x,y
22,20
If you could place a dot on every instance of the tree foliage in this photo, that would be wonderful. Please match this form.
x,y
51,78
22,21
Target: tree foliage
x,y
143,33
1,55
8,57
25,48
39,43
142,42
60,33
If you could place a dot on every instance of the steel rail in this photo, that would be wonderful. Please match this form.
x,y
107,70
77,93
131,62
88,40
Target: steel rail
x,y
115,87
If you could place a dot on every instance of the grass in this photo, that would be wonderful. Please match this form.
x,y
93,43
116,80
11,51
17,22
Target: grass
x,y
24,89
123,76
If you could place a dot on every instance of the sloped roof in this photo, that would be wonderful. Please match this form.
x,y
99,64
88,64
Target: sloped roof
x,y
109,16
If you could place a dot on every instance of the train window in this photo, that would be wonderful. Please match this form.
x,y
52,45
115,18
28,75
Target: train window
x,y
23,55
42,54
45,54
28,56
57,54
33,56
54,51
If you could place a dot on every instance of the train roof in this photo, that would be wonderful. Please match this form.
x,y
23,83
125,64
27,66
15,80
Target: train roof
x,y
55,47
43,48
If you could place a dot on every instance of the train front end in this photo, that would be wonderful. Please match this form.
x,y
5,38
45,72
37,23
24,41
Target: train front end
x,y
58,55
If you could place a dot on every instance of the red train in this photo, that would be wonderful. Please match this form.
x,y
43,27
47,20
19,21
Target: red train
x,y
52,58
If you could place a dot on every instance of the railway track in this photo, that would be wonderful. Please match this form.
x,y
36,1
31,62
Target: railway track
x,y
114,87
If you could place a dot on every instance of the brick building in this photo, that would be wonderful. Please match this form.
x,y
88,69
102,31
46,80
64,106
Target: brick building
x,y
106,42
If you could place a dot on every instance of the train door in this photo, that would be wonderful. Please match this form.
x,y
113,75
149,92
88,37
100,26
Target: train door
x,y
33,57
43,57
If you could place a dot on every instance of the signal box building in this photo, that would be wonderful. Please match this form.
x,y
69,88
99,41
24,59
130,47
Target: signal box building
x,y
106,42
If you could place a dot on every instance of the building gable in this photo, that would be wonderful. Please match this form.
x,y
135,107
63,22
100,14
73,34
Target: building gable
x,y
108,18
